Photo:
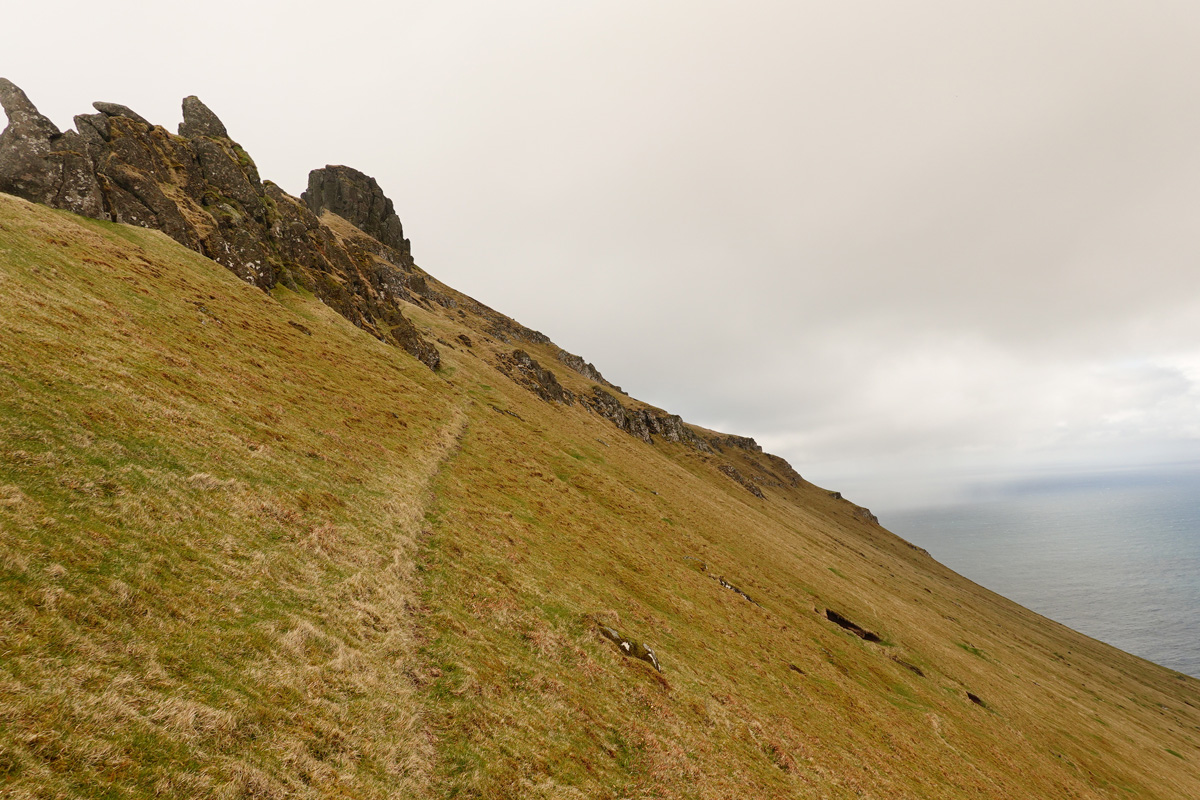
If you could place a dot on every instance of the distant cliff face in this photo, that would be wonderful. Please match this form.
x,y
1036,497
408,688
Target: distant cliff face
x,y
203,190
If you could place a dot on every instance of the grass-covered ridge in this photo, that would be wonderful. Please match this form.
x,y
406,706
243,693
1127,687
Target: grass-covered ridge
x,y
247,550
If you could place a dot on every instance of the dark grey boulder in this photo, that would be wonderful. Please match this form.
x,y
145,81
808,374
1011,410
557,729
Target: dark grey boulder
x,y
24,120
118,110
25,147
356,198
199,120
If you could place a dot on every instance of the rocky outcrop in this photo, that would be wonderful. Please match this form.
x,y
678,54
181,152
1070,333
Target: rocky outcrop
x,y
630,647
865,515
642,423
527,372
356,198
672,428
720,442
612,409
733,474
44,165
203,190
584,368
198,120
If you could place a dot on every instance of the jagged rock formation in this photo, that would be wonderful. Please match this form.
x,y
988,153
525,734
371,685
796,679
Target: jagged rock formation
x,y
738,442
527,372
356,198
612,409
642,423
198,120
637,422
203,190
41,164
584,368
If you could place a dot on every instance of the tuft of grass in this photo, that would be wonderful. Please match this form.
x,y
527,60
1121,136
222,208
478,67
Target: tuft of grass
x,y
975,651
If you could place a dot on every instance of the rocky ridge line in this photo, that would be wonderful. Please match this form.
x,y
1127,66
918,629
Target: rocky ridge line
x,y
203,190
643,423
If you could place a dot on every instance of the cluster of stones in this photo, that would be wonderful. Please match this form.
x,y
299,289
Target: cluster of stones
x,y
732,473
203,190
720,579
630,647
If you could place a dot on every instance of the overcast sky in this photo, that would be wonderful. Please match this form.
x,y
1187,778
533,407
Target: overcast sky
x,y
908,246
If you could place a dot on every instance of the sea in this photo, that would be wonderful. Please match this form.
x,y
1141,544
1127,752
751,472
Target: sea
x,y
1114,556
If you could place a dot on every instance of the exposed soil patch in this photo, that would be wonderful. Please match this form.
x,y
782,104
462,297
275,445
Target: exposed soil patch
x,y
854,628
913,668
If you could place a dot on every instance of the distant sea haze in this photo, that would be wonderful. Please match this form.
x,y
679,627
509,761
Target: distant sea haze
x,y
1116,558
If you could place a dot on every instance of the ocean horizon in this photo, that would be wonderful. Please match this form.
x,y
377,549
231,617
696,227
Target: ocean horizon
x,y
1116,557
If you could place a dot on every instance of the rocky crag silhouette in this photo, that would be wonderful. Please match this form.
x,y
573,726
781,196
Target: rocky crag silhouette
x,y
203,190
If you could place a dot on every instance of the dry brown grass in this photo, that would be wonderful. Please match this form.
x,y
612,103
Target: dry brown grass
x,y
238,561
207,528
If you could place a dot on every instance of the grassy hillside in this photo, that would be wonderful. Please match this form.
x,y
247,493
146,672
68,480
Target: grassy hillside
x,y
246,550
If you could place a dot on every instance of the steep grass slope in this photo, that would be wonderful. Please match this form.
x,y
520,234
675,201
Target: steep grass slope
x,y
249,551
208,508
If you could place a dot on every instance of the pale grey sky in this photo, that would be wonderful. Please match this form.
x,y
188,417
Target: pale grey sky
x,y
908,246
